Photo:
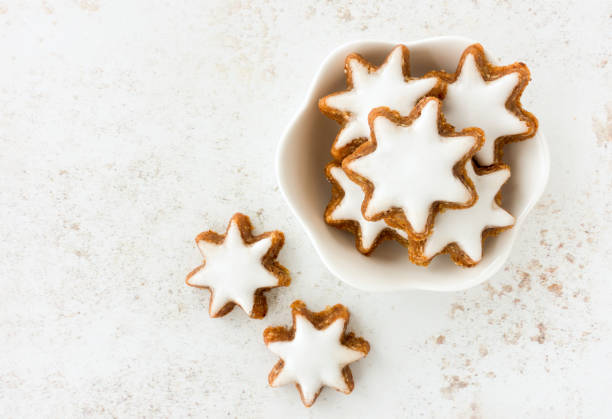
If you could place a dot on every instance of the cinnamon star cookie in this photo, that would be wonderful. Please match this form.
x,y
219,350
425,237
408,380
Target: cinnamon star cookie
x,y
461,233
369,87
344,212
482,95
239,267
315,352
412,167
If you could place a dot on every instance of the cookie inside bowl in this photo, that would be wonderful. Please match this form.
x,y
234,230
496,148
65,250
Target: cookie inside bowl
x,y
304,152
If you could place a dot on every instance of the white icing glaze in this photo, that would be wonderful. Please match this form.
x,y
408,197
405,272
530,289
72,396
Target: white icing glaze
x,y
465,226
472,102
314,358
350,209
412,167
384,87
233,270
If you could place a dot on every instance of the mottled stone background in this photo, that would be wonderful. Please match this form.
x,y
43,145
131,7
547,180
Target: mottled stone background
x,y
127,127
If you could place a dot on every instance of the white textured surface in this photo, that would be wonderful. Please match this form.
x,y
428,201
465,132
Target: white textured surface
x,y
126,128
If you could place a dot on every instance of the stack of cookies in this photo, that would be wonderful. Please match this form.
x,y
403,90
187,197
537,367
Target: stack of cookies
x,y
420,160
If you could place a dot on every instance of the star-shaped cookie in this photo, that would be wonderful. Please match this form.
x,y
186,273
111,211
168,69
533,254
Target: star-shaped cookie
x,y
481,95
370,87
315,352
461,233
239,267
412,167
344,212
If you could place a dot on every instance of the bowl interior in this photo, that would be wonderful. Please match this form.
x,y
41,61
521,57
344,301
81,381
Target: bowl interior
x,y
304,151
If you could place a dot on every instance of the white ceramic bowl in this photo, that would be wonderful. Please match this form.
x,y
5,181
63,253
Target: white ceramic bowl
x,y
303,153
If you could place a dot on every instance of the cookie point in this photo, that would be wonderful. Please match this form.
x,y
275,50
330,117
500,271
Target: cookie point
x,y
298,305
